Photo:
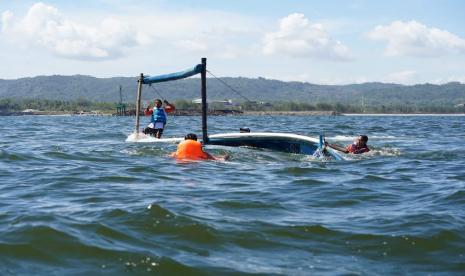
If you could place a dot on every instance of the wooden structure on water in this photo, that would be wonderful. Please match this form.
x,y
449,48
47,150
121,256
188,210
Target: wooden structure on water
x,y
121,107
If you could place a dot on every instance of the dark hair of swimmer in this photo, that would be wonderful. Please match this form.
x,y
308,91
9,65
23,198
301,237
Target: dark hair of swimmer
x,y
190,136
364,138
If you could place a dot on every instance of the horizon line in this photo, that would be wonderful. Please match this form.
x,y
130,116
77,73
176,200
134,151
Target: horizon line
x,y
258,77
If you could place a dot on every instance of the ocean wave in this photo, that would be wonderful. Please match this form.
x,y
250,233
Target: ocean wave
x,y
77,201
371,137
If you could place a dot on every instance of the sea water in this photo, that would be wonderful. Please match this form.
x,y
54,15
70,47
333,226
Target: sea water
x,y
77,198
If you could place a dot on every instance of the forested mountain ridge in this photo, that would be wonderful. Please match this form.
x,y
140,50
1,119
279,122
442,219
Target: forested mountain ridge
x,y
68,88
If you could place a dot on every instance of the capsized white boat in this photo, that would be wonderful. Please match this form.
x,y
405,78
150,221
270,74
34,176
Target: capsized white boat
x,y
285,142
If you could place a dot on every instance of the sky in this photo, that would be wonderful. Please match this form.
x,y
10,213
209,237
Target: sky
x,y
322,42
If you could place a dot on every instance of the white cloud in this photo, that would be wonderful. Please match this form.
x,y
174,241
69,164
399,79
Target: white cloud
x,y
442,80
415,39
218,42
193,45
297,37
6,20
211,33
311,78
43,25
403,77
210,46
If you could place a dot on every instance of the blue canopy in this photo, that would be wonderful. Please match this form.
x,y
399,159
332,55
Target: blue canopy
x,y
174,76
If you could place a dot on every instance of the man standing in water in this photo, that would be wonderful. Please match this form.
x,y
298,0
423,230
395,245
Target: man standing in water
x,y
357,147
158,119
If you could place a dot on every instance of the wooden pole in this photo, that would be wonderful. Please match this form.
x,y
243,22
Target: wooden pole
x,y
203,75
139,93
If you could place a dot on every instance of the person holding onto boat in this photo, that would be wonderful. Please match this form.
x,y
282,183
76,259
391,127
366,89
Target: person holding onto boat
x,y
191,149
359,146
158,119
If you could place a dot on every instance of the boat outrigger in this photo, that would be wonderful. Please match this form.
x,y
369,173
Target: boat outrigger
x,y
284,142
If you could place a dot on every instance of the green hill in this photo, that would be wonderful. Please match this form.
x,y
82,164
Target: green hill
x,y
68,88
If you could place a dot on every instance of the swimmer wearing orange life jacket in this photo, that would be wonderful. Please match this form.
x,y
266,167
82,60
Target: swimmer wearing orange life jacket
x,y
191,149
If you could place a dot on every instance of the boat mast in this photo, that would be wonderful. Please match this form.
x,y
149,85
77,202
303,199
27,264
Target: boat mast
x,y
120,94
203,75
139,92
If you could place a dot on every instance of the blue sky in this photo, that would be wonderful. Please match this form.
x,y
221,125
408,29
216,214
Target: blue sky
x,y
325,42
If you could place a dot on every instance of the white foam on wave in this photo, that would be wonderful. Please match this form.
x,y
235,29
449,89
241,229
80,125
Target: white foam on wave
x,y
373,153
143,138
383,137
130,152
370,137
385,152
341,138
322,159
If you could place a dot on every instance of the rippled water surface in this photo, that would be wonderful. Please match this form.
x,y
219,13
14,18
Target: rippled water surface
x,y
76,198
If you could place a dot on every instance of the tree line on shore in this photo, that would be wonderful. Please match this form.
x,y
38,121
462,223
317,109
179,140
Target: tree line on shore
x,y
11,105
73,88
17,105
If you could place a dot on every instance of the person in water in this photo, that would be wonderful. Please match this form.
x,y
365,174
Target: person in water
x,y
357,147
191,149
158,119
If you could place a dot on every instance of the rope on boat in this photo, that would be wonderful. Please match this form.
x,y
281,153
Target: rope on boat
x,y
238,93
158,92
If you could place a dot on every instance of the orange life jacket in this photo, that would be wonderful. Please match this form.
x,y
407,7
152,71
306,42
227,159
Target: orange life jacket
x,y
190,149
169,108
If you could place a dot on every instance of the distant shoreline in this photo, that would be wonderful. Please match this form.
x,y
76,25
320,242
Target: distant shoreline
x,y
405,114
295,113
232,113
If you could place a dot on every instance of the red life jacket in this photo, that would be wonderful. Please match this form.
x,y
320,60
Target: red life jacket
x,y
356,149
